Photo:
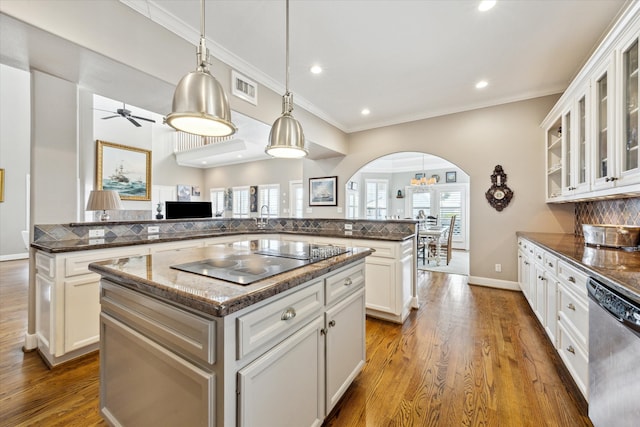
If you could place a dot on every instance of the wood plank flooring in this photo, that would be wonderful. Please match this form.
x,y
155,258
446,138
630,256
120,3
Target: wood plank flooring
x,y
470,356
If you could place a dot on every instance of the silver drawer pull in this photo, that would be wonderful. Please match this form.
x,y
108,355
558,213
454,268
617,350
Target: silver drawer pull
x,y
539,257
549,264
571,279
571,307
347,281
571,350
290,313
332,323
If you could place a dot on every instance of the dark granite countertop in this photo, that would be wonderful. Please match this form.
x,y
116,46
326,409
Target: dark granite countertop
x,y
614,267
115,242
152,275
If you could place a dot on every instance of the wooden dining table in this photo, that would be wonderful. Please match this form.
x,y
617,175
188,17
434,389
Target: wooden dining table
x,y
432,234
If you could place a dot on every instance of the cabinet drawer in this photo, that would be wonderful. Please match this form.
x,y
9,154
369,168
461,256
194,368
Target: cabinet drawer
x,y
45,265
550,263
572,278
278,318
382,249
173,246
575,358
538,255
574,311
189,335
344,282
76,265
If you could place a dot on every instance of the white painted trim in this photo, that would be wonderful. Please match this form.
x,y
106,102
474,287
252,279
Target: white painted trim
x,y
11,257
30,342
494,283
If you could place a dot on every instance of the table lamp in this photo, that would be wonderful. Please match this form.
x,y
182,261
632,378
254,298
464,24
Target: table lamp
x,y
103,200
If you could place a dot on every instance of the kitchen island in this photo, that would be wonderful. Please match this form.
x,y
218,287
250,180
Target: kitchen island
x,y
179,348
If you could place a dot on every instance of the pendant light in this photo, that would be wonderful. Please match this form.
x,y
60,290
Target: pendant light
x,y
286,139
422,183
200,105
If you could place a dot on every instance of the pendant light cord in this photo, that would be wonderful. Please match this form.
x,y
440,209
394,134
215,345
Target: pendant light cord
x,y
202,51
286,86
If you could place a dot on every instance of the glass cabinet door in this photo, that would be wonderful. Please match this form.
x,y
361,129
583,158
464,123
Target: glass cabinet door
x,y
581,177
566,150
630,115
602,126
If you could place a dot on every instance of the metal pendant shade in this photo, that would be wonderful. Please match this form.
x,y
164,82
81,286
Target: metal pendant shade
x,y
200,105
286,139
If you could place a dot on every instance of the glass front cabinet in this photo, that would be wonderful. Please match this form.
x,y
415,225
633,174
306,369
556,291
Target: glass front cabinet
x,y
592,131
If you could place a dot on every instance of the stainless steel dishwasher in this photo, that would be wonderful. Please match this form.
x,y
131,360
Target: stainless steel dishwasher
x,y
614,357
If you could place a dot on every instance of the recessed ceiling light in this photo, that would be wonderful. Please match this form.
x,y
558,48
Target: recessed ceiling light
x,y
482,84
204,162
365,112
316,69
239,156
486,5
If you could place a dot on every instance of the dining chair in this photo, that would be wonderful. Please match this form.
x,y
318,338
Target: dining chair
x,y
448,245
431,221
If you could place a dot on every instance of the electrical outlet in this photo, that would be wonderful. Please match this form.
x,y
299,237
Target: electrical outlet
x,y
348,226
153,229
498,268
98,232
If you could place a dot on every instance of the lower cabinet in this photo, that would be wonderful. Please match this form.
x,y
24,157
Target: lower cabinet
x,y
557,293
283,362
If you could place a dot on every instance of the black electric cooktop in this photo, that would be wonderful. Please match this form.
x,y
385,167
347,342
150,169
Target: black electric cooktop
x,y
270,257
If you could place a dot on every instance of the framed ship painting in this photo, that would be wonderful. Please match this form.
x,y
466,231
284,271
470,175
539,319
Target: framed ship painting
x,y
323,191
126,170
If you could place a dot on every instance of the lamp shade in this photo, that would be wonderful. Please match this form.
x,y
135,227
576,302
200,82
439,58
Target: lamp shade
x,y
200,106
286,139
104,200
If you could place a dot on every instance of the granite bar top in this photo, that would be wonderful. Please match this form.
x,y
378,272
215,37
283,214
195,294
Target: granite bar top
x,y
152,275
616,268
61,246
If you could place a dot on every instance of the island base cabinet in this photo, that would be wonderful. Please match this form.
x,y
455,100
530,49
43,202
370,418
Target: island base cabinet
x,y
346,348
144,384
284,387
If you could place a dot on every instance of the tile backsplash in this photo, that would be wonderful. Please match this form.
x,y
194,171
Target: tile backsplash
x,y
615,211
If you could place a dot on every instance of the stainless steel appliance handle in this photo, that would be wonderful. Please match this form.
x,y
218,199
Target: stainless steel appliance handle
x,y
591,288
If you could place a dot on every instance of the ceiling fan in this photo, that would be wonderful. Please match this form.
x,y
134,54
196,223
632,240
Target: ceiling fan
x,y
123,112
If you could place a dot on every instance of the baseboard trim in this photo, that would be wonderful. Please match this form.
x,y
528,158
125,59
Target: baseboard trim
x,y
494,283
12,257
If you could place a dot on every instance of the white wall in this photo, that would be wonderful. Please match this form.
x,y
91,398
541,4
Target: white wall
x,y
15,135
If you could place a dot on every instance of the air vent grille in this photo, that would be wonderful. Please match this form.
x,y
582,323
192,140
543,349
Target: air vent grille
x,y
244,88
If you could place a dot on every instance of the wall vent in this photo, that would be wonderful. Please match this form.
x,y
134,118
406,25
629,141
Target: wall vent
x,y
244,88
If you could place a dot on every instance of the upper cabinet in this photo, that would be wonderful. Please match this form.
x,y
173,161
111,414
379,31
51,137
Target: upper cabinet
x,y
592,132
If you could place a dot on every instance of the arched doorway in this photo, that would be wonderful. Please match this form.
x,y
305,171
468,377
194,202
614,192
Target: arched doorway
x,y
400,185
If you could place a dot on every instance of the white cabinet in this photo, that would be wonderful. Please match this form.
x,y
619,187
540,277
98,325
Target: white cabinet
x,y
285,386
557,293
592,132
345,346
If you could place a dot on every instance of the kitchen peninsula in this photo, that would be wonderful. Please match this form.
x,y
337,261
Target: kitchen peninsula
x,y
66,303
194,350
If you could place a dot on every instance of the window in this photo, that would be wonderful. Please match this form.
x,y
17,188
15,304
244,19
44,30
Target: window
x,y
268,195
451,204
240,202
420,201
377,198
296,201
353,204
217,200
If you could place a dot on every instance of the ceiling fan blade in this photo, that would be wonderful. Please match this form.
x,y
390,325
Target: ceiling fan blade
x,y
134,122
111,117
108,111
144,118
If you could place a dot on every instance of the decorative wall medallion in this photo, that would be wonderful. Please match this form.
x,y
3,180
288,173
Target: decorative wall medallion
x,y
499,195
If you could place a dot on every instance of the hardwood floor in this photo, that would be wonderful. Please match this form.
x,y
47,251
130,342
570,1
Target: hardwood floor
x,y
469,356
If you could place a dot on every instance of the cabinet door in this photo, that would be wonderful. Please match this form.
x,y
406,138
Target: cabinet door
x,y
285,386
629,170
582,141
603,106
346,347
554,160
541,295
82,312
524,273
567,159
381,284
551,318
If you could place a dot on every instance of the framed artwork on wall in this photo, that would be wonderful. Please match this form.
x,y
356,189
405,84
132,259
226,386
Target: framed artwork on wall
x,y
184,193
451,176
323,191
124,169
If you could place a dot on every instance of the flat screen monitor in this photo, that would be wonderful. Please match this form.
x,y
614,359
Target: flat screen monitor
x,y
179,210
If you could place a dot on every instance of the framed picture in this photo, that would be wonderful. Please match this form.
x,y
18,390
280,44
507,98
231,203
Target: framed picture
x,y
195,191
353,185
323,191
1,185
253,198
451,176
419,176
184,193
126,170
